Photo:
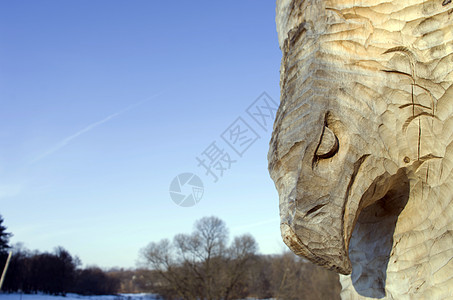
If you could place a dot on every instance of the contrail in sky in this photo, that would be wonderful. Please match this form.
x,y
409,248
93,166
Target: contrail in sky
x,y
90,127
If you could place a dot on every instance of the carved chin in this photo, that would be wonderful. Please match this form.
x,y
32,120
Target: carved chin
x,y
338,261
320,230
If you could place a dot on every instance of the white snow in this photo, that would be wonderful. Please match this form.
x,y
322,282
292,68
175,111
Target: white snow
x,y
18,296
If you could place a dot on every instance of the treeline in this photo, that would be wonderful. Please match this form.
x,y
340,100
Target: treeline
x,y
200,265
281,276
55,273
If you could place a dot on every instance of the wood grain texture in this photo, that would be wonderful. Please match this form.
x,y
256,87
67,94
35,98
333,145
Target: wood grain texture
x,y
362,148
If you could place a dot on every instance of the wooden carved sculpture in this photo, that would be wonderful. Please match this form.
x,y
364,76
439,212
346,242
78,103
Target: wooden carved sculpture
x,y
362,148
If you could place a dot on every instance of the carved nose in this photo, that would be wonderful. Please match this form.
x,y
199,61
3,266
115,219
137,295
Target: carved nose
x,y
328,145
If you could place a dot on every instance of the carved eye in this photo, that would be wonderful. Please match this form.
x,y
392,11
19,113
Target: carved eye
x,y
328,146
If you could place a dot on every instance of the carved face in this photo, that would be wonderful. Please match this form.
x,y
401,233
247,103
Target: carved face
x,y
364,91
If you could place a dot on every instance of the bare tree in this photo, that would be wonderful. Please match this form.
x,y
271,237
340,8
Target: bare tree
x,y
240,256
200,265
173,279
211,235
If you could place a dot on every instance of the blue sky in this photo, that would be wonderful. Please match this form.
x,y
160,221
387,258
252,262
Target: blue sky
x,y
105,102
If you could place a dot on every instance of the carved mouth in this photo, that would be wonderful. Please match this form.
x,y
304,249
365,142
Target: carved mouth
x,y
370,215
346,231
375,225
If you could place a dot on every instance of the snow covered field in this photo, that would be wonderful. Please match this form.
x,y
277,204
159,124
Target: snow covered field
x,y
77,297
